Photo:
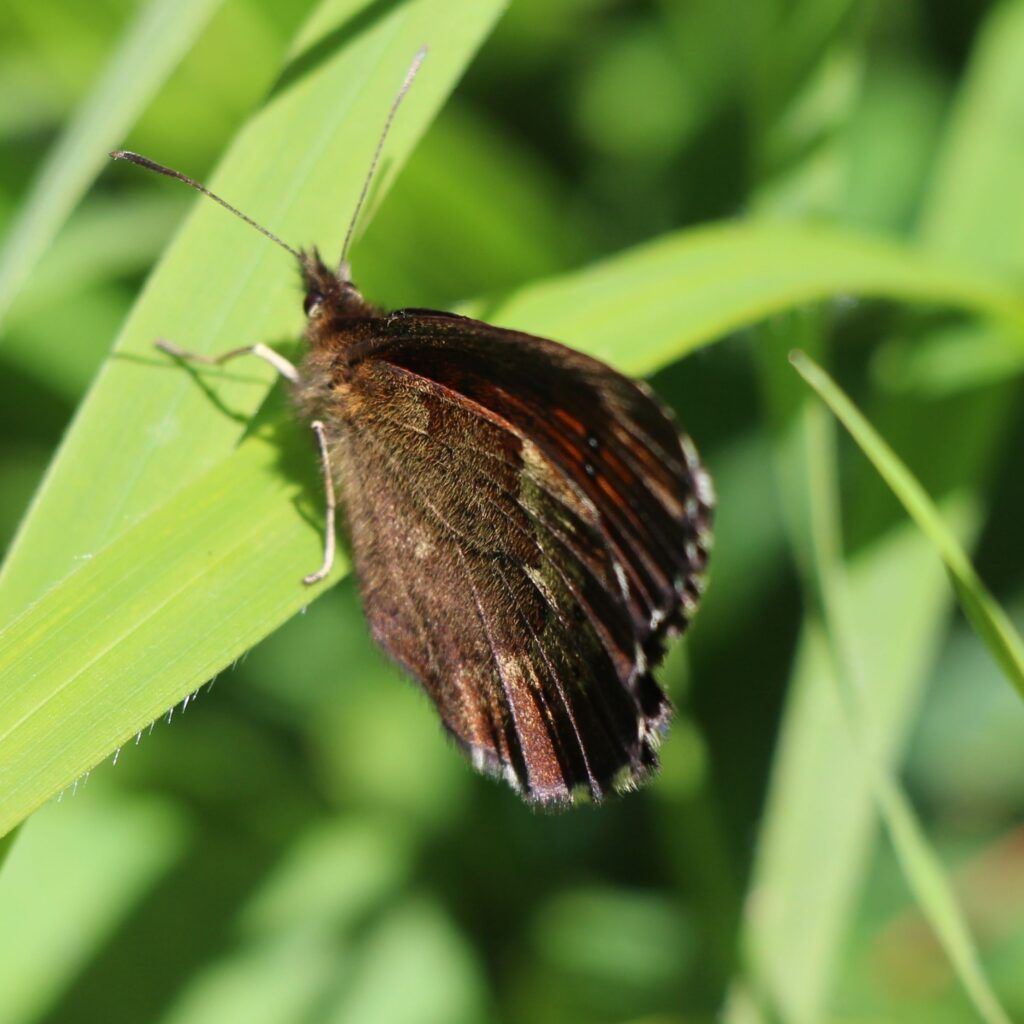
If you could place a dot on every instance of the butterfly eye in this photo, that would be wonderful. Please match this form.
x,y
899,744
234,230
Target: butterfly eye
x,y
313,299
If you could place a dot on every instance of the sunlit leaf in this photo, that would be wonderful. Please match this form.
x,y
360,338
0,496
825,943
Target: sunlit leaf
x,y
177,575
145,429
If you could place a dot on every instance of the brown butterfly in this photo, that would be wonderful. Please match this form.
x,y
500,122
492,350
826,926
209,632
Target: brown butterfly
x,y
527,524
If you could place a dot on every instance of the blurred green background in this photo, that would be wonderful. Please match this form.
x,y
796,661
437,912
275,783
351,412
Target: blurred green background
x,y
300,844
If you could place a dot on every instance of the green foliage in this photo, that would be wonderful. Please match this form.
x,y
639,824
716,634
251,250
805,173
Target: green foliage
x,y
297,165
89,640
152,46
827,597
993,625
300,844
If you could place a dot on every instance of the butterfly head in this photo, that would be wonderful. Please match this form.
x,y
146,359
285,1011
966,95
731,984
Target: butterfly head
x,y
329,295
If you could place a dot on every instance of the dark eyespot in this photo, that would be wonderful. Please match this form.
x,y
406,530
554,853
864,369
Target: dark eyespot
x,y
313,299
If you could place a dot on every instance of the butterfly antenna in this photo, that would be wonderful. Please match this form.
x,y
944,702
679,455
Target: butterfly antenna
x,y
344,270
152,165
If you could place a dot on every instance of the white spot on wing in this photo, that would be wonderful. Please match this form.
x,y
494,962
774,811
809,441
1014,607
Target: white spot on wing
x,y
620,575
511,778
640,660
705,488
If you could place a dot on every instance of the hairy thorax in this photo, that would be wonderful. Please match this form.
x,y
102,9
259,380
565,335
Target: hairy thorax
x,y
328,388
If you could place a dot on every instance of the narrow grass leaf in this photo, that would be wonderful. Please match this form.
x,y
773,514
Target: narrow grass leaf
x,y
930,884
817,825
660,301
147,428
151,48
922,869
984,612
818,828
148,620
167,592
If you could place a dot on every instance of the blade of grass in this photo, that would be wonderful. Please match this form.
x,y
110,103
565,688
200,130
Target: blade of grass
x,y
819,820
992,624
74,691
149,619
819,816
922,869
152,46
820,811
146,429
728,276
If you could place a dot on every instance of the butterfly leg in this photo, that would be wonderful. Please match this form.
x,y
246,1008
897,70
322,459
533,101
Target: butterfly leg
x,y
288,371
325,468
277,361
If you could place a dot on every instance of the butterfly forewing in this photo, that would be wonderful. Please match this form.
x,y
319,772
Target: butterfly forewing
x,y
526,525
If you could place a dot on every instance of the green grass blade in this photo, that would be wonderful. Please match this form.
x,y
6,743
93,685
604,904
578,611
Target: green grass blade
x,y
163,609
927,878
819,822
992,624
817,828
146,429
817,825
74,691
151,48
664,299
922,869
802,901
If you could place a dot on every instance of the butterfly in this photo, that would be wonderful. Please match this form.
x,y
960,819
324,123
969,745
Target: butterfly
x,y
527,525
